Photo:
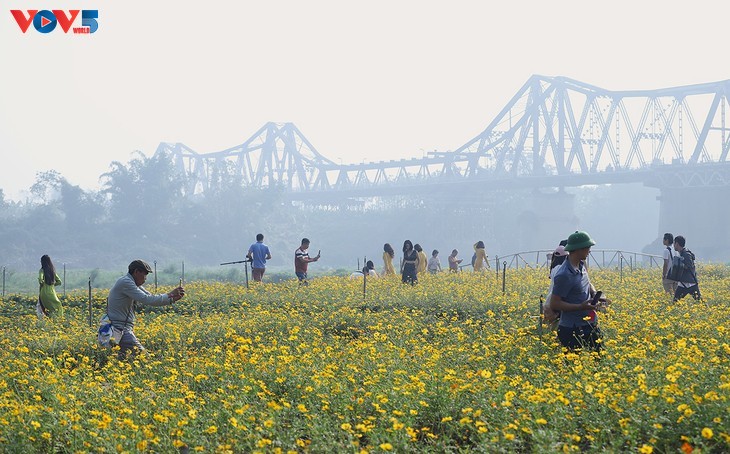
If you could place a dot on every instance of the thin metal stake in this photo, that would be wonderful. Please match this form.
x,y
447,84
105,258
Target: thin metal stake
x,y
621,268
155,276
504,275
245,269
89,300
539,319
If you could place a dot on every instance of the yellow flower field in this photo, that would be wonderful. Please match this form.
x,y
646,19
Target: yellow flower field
x,y
452,364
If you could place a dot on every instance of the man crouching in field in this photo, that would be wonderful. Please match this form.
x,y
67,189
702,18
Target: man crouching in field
x,y
124,294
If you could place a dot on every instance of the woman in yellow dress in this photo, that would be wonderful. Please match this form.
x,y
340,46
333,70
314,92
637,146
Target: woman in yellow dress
x,y
388,255
422,259
48,302
480,261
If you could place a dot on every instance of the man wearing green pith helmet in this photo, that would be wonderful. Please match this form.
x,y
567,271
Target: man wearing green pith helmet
x,y
573,295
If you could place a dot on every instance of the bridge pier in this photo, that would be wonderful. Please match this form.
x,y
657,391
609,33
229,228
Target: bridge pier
x,y
699,214
547,219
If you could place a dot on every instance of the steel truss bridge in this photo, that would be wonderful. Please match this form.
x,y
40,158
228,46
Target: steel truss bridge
x,y
554,132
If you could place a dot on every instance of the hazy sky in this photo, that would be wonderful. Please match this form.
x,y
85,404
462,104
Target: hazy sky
x,y
362,80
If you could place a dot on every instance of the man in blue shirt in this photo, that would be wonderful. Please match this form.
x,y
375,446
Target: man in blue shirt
x,y
573,296
259,254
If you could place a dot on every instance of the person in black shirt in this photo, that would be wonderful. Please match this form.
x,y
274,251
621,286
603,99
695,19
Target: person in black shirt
x,y
409,264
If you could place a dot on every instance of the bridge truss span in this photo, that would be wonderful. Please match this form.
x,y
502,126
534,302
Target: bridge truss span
x,y
554,131
557,125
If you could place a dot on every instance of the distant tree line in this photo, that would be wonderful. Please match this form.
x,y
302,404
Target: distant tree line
x,y
143,211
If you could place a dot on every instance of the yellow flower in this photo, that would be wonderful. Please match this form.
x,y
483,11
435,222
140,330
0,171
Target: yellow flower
x,y
646,449
707,433
386,447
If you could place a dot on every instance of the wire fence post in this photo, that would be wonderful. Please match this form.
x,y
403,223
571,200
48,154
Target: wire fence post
x,y
504,275
64,281
621,268
365,273
245,270
90,301
3,281
155,262
539,319
496,265
183,271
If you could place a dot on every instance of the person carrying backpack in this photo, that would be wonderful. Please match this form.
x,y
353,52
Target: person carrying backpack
x,y
670,286
683,268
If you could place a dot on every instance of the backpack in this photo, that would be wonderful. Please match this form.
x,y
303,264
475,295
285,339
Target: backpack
x,y
108,336
680,265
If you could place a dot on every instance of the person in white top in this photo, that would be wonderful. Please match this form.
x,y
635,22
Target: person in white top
x,y
669,285
434,264
369,268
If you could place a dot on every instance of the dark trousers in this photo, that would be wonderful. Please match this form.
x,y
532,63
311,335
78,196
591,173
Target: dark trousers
x,y
681,292
578,337
410,276
257,273
129,343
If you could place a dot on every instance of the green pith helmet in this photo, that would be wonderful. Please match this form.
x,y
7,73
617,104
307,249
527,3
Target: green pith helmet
x,y
579,240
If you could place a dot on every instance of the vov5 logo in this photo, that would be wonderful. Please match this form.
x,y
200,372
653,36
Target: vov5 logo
x,y
45,21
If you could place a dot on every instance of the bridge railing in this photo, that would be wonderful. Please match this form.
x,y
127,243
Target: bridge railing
x,y
600,258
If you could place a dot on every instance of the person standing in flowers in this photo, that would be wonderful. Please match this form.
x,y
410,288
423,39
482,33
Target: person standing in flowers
x,y
368,269
388,256
434,265
409,264
454,261
669,285
422,259
572,295
48,302
125,294
302,261
480,257
558,257
258,253
687,284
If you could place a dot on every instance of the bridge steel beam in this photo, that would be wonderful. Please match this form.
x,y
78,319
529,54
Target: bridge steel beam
x,y
554,132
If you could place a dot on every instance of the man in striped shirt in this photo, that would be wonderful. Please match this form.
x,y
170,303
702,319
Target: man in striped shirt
x,y
302,260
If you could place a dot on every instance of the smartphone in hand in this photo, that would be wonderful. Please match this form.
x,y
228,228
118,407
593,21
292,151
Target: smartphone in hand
x,y
597,297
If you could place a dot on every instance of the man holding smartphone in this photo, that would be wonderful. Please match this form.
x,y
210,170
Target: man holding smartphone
x,y
302,260
576,298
